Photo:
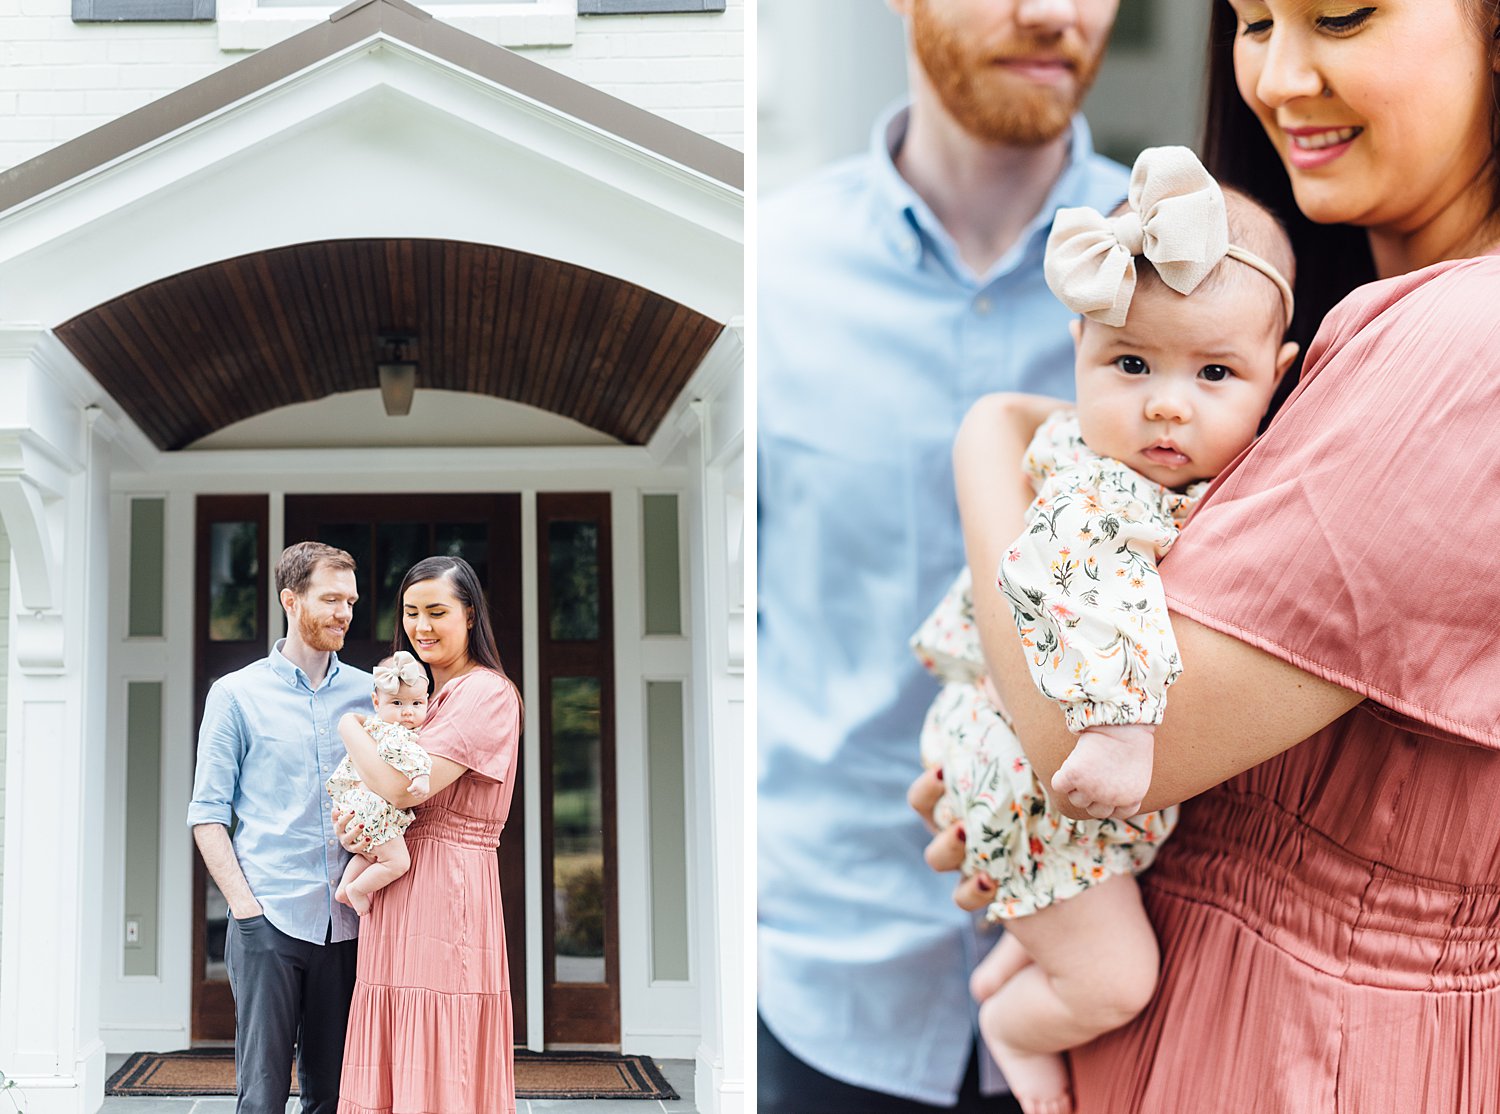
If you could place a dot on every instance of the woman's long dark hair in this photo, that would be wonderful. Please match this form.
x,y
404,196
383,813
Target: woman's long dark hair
x,y
1332,259
460,574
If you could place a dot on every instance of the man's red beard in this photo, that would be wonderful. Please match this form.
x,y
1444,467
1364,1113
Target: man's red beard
x,y
988,102
317,636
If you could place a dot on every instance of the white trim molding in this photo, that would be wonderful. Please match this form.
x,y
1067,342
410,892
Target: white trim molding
x,y
250,25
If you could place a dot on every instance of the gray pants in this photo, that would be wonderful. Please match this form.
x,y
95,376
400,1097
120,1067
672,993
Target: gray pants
x,y
287,992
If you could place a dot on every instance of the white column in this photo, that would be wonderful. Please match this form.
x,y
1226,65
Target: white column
x,y
723,778
53,479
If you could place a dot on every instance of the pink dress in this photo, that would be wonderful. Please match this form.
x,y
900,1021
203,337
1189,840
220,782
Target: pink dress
x,y
430,1026
1330,920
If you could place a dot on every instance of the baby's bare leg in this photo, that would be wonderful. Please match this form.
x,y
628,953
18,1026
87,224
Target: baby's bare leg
x,y
355,867
391,861
1094,967
1003,963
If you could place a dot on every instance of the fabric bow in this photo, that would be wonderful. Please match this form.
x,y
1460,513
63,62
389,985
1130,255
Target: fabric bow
x,y
1176,220
403,669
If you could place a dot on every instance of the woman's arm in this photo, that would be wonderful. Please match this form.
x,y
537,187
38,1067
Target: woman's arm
x,y
384,780
1234,706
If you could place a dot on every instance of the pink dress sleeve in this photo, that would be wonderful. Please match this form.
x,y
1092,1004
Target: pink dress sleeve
x,y
1359,538
476,722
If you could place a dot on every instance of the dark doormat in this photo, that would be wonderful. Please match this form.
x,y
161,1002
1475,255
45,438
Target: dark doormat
x,y
539,1075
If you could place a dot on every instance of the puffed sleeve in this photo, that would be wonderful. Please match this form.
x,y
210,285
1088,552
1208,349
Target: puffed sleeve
x,y
1088,604
1359,538
477,723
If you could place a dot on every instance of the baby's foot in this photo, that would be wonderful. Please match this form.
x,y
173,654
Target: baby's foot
x,y
1039,1080
359,902
341,894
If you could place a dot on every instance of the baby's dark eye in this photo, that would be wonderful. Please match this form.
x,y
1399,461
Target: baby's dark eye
x,y
1132,365
1215,373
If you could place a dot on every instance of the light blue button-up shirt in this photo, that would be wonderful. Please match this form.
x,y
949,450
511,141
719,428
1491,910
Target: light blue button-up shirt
x,y
875,339
268,742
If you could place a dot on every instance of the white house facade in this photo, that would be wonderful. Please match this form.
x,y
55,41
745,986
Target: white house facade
x,y
214,304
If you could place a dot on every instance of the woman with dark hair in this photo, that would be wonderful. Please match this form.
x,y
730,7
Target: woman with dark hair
x,y
1329,909
430,1025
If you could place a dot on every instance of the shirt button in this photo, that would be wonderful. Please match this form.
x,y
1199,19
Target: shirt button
x,y
322,731
330,843
982,306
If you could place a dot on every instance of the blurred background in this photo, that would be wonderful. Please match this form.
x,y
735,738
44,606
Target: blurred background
x,y
828,68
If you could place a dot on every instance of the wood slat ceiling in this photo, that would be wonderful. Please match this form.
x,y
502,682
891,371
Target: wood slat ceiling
x,y
201,350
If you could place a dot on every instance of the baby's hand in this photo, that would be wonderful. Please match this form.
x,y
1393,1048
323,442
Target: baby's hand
x,y
419,785
1109,771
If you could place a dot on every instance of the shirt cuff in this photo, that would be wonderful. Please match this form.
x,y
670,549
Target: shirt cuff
x,y
201,813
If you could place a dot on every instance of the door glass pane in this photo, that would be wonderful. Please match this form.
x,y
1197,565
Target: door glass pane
x,y
577,831
469,540
233,566
573,576
216,914
398,546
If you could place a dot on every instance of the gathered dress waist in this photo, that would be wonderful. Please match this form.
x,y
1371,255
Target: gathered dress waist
x,y
1356,919
436,822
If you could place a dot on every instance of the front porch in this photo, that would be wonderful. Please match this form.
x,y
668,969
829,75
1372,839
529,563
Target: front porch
x,y
679,1074
195,303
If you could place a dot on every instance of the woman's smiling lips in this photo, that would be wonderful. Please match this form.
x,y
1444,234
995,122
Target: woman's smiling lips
x,y
1317,146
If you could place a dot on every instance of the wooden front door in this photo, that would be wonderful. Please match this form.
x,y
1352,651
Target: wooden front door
x,y
386,535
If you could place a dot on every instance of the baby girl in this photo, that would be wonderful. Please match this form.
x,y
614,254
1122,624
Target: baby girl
x,y
1183,301
400,701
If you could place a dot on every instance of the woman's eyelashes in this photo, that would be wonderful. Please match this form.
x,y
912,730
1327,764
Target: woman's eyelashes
x,y
1340,24
1335,24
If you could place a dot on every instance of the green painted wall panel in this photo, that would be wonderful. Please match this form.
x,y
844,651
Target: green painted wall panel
x,y
148,518
668,830
663,566
142,825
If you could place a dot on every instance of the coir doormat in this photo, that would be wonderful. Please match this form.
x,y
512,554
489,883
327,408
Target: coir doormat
x,y
539,1075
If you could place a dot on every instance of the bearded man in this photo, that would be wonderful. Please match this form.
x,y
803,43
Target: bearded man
x,y
895,289
267,744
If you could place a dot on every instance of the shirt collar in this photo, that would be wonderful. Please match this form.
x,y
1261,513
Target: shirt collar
x,y
292,674
915,230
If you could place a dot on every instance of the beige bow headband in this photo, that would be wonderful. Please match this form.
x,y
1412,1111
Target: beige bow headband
x,y
1176,220
402,670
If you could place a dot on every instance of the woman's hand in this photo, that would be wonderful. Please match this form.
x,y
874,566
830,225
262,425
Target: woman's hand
x,y
946,850
352,839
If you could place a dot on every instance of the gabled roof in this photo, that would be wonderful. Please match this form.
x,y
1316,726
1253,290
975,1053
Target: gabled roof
x,y
348,26
240,246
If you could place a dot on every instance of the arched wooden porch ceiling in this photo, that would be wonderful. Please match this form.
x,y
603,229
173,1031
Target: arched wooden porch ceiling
x,y
201,350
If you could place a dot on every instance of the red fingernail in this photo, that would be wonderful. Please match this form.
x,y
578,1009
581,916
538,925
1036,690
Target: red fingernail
x,y
963,836
984,883
940,773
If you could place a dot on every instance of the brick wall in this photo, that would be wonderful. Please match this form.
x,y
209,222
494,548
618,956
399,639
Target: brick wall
x,y
59,79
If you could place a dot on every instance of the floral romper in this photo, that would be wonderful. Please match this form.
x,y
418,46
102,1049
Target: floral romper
x,y
1088,603
398,748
